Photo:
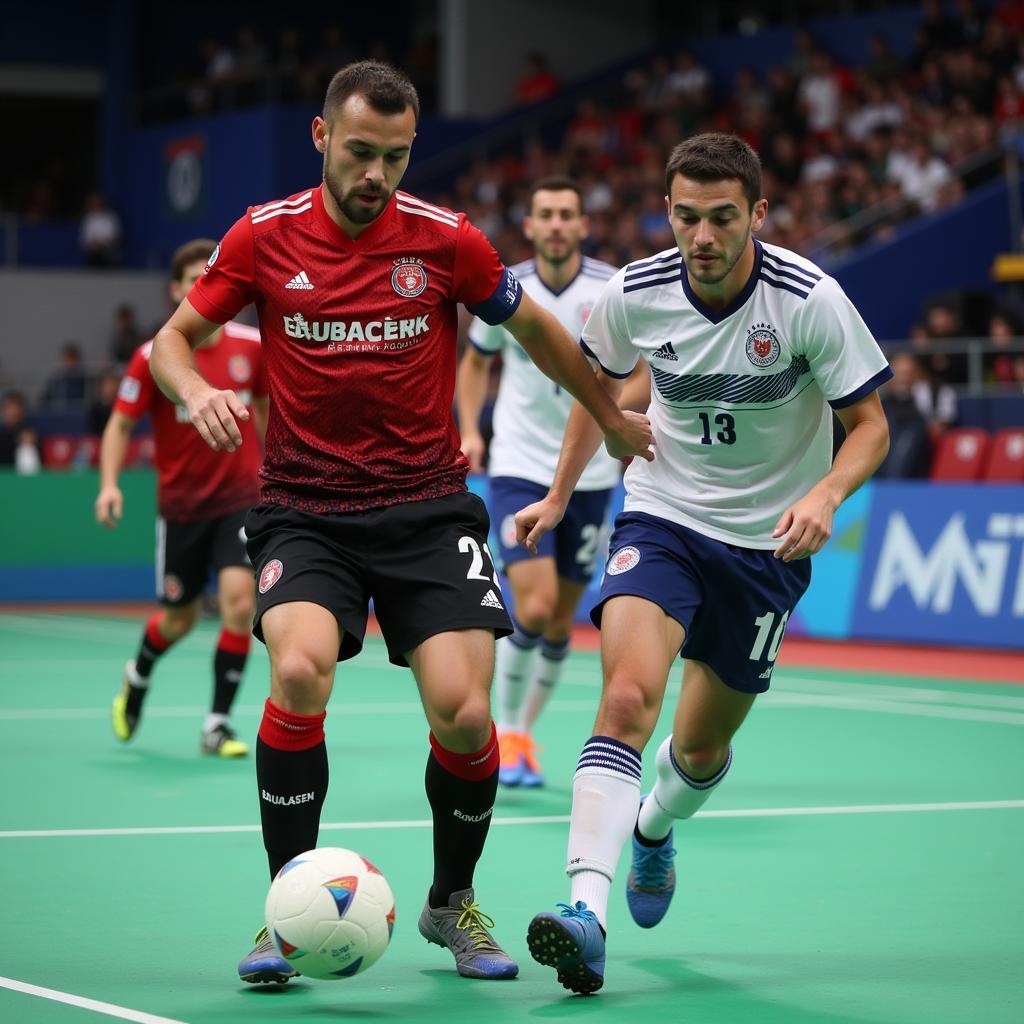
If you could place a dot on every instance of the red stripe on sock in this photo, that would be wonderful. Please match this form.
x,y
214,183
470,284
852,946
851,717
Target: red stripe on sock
x,y
154,638
233,643
473,766
284,730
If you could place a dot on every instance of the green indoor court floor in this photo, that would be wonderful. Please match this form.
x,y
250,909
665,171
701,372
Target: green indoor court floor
x,y
863,862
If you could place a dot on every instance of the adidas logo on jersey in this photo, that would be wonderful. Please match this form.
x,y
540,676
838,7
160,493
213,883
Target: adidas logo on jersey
x,y
491,601
301,282
667,352
767,673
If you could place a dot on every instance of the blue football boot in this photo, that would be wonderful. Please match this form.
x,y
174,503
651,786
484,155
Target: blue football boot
x,y
651,882
572,942
265,963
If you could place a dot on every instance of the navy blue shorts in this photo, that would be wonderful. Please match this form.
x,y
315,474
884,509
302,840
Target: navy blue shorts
x,y
577,544
733,602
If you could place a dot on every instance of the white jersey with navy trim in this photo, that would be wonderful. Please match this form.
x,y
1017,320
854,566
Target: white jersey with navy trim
x,y
531,410
740,397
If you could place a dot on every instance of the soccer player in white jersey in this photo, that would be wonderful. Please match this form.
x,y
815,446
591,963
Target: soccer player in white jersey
x,y
529,421
750,348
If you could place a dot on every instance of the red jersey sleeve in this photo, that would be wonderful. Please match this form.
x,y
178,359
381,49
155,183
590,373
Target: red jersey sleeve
x,y
481,281
137,388
227,284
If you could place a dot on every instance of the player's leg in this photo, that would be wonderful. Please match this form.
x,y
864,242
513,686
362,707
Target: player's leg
x,y
691,763
533,581
310,612
579,545
180,575
534,585
439,606
638,644
730,652
452,671
236,603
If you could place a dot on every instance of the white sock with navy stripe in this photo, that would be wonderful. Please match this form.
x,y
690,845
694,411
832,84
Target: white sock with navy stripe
x,y
513,666
545,679
605,796
675,794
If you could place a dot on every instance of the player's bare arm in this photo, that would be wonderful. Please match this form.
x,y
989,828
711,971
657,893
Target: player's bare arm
x,y
109,504
636,392
805,527
213,413
470,395
557,356
582,439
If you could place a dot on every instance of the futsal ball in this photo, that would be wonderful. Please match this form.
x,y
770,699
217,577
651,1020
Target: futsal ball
x,y
330,913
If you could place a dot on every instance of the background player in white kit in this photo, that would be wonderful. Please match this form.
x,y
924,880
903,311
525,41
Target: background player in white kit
x,y
749,346
529,422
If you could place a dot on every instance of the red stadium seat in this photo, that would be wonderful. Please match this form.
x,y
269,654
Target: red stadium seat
x,y
59,451
960,454
1006,456
87,451
141,451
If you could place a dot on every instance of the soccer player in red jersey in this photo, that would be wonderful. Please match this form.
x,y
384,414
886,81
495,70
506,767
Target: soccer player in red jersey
x,y
202,497
364,493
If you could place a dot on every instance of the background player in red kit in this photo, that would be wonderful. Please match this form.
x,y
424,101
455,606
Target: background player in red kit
x,y
202,498
364,492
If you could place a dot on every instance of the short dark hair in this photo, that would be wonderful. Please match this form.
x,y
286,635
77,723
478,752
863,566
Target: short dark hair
x,y
385,88
189,253
556,183
715,156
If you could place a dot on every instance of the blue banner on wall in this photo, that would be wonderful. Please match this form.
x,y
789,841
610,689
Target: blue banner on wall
x,y
943,563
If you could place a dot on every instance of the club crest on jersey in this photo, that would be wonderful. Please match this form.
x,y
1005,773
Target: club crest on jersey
x,y
623,560
584,312
508,531
272,572
213,259
763,346
240,369
409,279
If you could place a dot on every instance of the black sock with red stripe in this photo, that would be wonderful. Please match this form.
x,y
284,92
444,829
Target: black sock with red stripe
x,y
228,666
291,776
461,789
153,645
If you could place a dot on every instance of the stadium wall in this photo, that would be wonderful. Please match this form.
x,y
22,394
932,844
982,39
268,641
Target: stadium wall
x,y
913,562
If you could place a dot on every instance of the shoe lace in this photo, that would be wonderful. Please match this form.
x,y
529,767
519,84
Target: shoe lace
x,y
578,912
476,923
651,865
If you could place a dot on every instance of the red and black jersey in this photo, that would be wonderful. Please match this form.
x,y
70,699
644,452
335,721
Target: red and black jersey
x,y
195,482
360,342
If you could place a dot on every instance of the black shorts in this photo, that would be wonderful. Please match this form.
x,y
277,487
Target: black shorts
x,y
187,551
425,565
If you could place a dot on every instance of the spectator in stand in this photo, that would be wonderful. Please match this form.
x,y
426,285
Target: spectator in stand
x,y
883,65
65,389
689,81
1004,330
538,83
19,443
922,176
103,403
100,234
127,335
910,446
819,94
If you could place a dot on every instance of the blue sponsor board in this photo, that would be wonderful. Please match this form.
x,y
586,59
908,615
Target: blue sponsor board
x,y
943,563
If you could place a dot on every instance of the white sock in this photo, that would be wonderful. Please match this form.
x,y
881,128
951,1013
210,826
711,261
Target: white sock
x,y
543,682
139,682
605,795
512,669
213,720
675,794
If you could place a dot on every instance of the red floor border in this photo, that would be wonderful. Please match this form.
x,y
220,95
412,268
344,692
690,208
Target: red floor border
x,y
971,665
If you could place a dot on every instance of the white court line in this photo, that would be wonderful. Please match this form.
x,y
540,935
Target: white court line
x,y
553,819
86,1004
